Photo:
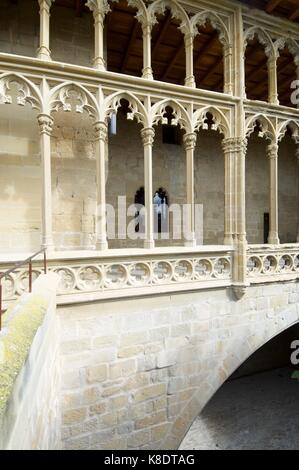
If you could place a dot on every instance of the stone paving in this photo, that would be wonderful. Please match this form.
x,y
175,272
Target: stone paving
x,y
255,412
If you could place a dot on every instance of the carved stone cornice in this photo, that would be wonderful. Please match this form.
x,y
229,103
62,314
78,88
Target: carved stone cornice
x,y
190,141
148,135
45,122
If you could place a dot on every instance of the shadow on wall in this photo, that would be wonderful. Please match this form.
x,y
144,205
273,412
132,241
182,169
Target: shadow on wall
x,y
254,408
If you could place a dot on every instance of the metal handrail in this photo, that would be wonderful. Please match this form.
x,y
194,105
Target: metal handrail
x,y
15,267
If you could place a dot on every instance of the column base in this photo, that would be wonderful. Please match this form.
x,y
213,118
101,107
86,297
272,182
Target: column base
x,y
273,239
190,243
101,245
147,74
99,64
149,244
228,240
228,89
273,100
44,54
190,82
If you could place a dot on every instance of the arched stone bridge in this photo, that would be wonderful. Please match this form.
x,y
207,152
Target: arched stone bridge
x,y
137,373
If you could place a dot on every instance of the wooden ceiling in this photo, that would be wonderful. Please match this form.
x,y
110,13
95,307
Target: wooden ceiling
x,y
124,53
288,9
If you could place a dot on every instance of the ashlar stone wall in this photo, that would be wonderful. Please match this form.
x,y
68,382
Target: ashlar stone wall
x,y
74,181
135,374
71,36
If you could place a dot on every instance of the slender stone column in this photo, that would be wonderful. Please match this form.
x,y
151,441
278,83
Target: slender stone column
x,y
272,78
189,80
229,150
46,125
189,144
272,152
147,71
228,70
101,130
148,135
240,242
99,9
43,51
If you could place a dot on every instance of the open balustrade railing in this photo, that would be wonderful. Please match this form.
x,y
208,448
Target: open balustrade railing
x,y
14,268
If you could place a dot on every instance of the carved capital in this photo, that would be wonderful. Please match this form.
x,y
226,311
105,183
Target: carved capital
x,y
272,151
45,122
148,135
146,28
101,130
190,141
99,8
45,5
235,145
228,145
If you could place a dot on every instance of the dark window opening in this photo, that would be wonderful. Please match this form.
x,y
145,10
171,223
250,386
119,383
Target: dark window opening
x,y
160,203
266,227
171,135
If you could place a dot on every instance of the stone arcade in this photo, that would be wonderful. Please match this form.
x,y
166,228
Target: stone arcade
x,y
188,99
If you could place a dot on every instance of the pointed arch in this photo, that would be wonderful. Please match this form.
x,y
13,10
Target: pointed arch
x,y
292,125
181,116
234,354
290,43
220,121
263,37
28,92
113,102
201,18
142,14
267,127
58,99
177,11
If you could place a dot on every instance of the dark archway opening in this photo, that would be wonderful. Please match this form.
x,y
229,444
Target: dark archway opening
x,y
256,408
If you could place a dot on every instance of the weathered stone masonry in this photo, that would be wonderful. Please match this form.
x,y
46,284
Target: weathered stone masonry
x,y
135,375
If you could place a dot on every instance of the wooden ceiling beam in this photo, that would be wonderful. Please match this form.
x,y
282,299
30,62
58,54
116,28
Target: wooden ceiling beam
x,y
294,15
207,45
161,35
79,7
271,5
284,66
130,43
179,51
211,70
256,70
